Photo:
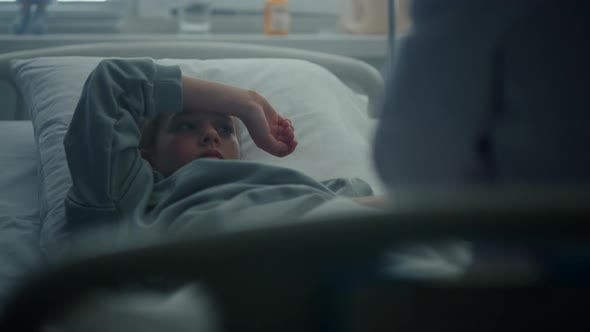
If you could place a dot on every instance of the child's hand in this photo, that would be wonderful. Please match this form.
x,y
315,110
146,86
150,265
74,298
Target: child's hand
x,y
270,131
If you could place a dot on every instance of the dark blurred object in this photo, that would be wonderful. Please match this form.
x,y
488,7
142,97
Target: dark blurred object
x,y
488,92
331,275
399,307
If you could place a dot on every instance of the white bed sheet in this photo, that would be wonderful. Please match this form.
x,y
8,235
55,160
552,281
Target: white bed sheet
x,y
18,168
19,222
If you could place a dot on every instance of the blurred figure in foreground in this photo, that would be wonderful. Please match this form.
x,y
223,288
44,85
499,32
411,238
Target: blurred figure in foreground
x,y
488,93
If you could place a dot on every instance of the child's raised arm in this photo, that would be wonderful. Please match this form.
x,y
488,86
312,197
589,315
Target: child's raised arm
x,y
270,131
107,171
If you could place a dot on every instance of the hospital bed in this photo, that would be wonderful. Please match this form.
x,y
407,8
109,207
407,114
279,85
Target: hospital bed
x,y
324,275
20,175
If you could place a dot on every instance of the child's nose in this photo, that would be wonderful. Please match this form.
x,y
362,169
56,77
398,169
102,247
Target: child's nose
x,y
210,136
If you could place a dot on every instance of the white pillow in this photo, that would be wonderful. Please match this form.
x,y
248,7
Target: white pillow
x,y
330,120
19,225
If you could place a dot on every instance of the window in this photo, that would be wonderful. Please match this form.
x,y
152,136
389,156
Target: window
x,y
59,5
315,25
64,0
63,4
85,15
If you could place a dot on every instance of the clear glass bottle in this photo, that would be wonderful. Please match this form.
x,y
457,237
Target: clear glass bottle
x,y
365,16
195,16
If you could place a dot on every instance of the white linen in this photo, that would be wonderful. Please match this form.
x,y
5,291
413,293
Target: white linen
x,y
19,214
18,168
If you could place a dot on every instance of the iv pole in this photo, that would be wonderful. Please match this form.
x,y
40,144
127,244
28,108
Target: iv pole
x,y
391,25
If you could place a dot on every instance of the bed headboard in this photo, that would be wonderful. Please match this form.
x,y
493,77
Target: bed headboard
x,y
358,75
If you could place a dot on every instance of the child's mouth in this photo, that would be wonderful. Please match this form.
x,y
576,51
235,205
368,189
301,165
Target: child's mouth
x,y
212,154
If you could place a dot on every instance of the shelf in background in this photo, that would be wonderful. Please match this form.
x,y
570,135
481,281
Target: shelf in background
x,y
370,48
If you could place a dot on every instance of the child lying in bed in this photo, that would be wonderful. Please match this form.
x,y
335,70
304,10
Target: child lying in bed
x,y
170,174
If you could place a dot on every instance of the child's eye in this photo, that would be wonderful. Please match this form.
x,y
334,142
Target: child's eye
x,y
185,126
227,129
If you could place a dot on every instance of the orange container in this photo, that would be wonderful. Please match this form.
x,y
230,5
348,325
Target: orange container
x,y
276,17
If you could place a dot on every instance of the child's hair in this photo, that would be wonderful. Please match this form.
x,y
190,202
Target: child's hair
x,y
149,128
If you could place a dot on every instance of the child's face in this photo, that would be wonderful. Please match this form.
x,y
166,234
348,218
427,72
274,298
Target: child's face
x,y
187,136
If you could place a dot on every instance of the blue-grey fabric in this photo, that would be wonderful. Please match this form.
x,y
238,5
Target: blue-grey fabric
x,y
488,92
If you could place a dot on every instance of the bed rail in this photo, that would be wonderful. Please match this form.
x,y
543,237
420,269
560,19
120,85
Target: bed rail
x,y
358,75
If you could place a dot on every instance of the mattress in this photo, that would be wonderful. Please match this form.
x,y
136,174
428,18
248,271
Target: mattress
x,y
19,222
